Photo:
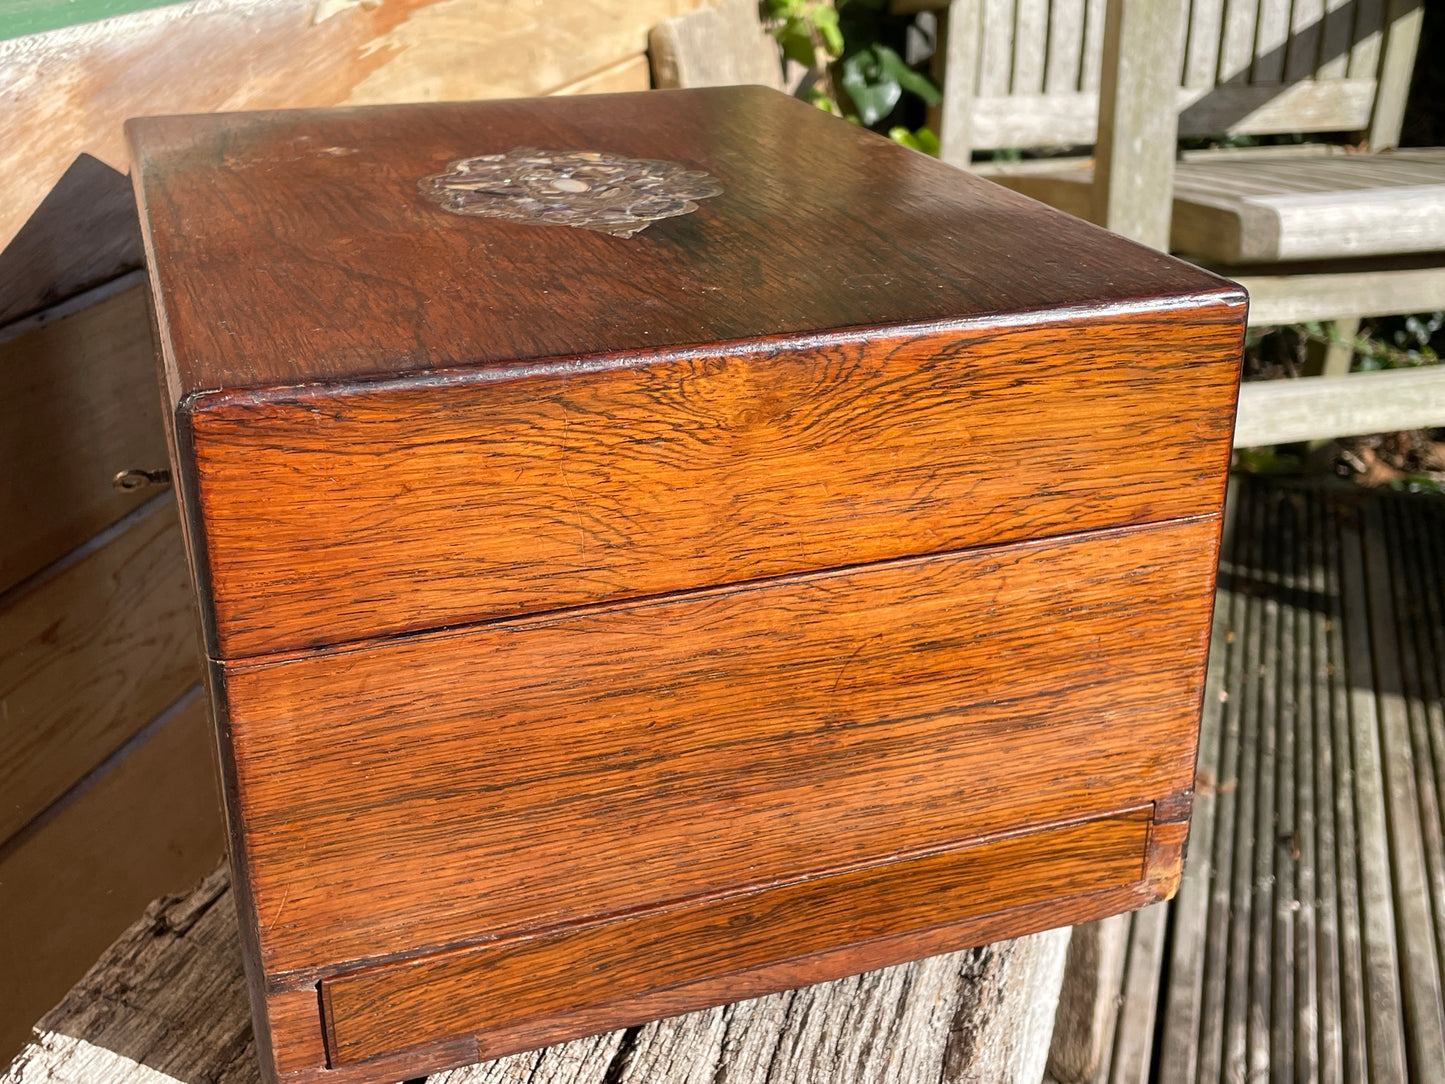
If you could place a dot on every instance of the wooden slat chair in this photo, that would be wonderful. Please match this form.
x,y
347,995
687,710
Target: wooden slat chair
x,y
1314,233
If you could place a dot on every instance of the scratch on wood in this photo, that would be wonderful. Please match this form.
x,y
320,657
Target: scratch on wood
x,y
849,660
279,908
571,493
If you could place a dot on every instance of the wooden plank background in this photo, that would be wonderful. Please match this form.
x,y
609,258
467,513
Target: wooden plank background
x,y
36,16
68,91
107,788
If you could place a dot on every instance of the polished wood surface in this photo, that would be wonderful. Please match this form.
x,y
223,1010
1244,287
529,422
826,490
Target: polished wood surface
x,y
377,511
576,594
581,970
705,743
347,271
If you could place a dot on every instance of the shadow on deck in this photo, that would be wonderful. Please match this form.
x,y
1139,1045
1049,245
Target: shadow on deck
x,y
1305,942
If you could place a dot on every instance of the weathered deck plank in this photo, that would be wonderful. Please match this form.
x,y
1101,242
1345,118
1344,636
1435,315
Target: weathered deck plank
x,y
1352,968
1383,1000
167,1004
1319,840
1191,958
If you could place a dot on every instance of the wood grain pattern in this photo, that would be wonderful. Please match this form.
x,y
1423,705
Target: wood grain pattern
x,y
712,740
405,508
715,47
1134,149
77,405
90,656
580,971
1030,120
1269,210
375,280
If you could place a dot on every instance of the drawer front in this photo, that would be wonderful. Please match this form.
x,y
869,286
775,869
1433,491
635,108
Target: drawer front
x,y
593,977
534,773
336,517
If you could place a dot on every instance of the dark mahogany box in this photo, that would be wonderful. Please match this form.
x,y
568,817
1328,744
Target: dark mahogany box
x,y
659,549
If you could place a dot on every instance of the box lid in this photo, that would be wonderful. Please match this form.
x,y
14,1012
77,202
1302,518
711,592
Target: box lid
x,y
297,247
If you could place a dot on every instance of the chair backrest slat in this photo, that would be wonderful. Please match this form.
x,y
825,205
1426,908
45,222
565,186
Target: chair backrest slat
x,y
995,66
1247,67
1369,28
1335,37
1306,24
1031,32
1201,49
1236,42
1066,47
1093,59
1271,41
1340,105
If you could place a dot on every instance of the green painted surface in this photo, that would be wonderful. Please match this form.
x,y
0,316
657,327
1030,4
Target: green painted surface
x,y
20,17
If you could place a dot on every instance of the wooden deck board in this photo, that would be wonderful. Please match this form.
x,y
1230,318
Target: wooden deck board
x,y
1319,841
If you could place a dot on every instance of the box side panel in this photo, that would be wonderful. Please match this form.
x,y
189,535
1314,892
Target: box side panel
x,y
412,506
400,798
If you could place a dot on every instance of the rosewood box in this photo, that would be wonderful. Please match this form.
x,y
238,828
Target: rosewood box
x,y
659,549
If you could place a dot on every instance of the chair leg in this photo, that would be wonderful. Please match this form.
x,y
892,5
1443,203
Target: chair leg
x,y
1333,358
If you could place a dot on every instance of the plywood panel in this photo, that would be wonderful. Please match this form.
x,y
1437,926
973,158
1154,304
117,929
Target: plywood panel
x,y
88,657
78,402
150,825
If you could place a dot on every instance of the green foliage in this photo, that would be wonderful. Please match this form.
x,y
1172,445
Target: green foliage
x,y
875,79
1397,343
853,49
1418,483
922,140
1265,461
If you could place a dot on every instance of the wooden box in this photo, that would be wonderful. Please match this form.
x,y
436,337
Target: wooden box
x,y
601,626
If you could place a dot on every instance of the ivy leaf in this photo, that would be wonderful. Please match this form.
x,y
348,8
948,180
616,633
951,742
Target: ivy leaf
x,y
784,9
910,80
928,142
922,140
797,43
874,91
826,20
